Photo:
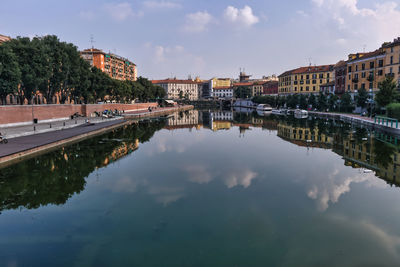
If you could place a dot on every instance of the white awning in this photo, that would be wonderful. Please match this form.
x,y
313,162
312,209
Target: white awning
x,y
170,101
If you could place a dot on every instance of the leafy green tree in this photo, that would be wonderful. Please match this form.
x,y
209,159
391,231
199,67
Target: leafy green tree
x,y
387,92
332,101
303,101
361,98
312,101
346,103
10,74
322,102
243,92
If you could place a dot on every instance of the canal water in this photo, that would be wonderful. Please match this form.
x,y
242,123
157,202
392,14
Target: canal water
x,y
204,188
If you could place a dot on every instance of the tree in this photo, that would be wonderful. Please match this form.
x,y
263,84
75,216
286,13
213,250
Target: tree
x,y
322,102
346,103
332,100
242,92
10,74
361,98
303,101
180,94
387,92
312,101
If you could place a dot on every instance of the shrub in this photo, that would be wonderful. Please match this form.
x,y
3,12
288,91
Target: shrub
x,y
393,110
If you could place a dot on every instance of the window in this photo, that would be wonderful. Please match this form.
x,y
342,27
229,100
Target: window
x,y
380,63
391,60
363,75
327,76
314,82
363,66
380,72
371,85
349,68
320,81
391,50
307,88
301,88
314,76
307,76
356,67
349,76
313,88
363,86
321,75
371,65
348,87
356,86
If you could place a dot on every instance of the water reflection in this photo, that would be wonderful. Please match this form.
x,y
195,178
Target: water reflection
x,y
53,178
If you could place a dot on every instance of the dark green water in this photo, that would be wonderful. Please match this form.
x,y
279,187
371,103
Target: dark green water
x,y
207,189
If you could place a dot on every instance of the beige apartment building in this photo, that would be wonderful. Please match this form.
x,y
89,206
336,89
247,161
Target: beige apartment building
x,y
179,89
392,59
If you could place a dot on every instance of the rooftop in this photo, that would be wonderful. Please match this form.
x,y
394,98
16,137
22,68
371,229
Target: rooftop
x,y
175,81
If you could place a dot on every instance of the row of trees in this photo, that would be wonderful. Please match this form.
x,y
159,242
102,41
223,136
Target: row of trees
x,y
388,93
54,69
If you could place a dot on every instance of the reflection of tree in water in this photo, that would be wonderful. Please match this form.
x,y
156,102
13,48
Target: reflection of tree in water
x,y
383,153
54,177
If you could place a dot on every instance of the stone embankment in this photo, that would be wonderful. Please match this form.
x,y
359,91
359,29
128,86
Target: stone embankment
x,y
27,143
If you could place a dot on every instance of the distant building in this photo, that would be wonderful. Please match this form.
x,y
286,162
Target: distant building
x,y
257,88
243,77
217,83
392,59
179,89
116,67
270,88
328,88
4,38
305,80
340,77
223,92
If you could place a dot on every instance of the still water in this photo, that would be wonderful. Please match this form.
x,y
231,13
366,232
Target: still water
x,y
207,189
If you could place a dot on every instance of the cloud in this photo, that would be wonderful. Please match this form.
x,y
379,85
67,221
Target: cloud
x,y
197,22
161,5
244,16
198,174
120,11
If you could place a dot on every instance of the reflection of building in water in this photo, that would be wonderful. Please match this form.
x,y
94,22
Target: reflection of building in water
x,y
184,119
380,154
121,151
303,135
221,120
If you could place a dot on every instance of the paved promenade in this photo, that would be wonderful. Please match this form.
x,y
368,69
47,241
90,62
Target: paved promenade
x,y
24,143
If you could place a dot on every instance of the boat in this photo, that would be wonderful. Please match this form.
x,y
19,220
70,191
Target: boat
x,y
300,114
290,112
280,112
244,104
264,107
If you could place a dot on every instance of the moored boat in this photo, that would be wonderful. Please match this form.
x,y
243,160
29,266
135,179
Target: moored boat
x,y
280,112
264,107
300,114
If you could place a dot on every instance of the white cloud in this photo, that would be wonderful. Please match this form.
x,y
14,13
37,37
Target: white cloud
x,y
198,174
119,11
239,177
244,16
161,4
197,22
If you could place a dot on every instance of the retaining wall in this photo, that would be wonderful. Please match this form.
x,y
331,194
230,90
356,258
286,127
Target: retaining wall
x,y
16,115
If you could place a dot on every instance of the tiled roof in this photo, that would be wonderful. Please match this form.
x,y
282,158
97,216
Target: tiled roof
x,y
174,81
313,69
368,55
391,44
341,63
243,84
4,38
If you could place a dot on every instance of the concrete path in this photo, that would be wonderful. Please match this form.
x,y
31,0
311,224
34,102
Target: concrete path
x,y
24,143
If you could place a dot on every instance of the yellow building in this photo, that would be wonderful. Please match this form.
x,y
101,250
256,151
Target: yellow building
x,y
392,59
305,80
302,135
221,82
365,70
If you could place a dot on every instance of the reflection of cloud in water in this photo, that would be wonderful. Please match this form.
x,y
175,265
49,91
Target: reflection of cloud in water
x,y
198,174
126,184
170,143
167,195
239,177
331,187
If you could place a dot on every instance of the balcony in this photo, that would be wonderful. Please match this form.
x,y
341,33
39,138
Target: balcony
x,y
355,80
370,78
390,75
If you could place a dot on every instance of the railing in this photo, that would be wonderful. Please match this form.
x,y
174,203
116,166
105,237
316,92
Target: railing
x,y
386,121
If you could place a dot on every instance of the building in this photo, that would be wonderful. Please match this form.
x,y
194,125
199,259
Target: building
x,y
305,80
115,66
223,92
392,59
340,77
257,88
4,38
270,88
216,83
328,88
242,84
365,70
243,77
179,89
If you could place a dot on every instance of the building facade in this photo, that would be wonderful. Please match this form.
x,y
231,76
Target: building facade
x,y
305,80
270,88
340,77
392,59
116,67
223,92
4,38
365,71
179,89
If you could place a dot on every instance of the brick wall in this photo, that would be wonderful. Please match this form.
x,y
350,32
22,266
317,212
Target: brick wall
x,y
19,115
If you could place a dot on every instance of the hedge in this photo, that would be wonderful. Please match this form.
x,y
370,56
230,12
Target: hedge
x,y
393,110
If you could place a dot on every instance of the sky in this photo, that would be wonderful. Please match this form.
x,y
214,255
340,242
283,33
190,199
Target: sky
x,y
210,38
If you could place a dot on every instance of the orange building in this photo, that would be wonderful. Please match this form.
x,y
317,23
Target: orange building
x,y
4,38
115,66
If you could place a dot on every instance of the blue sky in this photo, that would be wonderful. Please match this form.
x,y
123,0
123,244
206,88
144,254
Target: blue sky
x,y
207,38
